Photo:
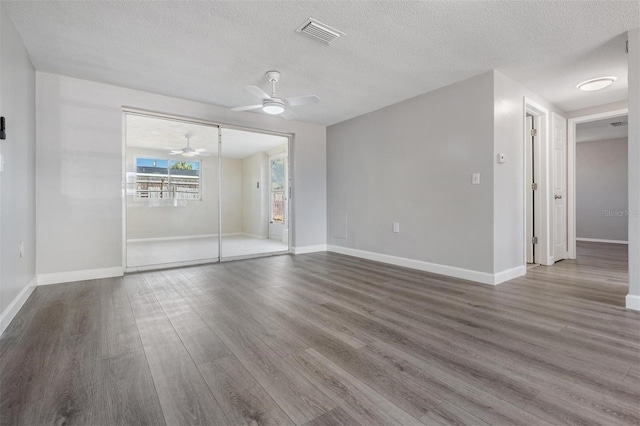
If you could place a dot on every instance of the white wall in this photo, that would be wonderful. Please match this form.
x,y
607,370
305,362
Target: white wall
x,y
255,207
509,112
412,163
601,189
17,180
633,299
79,178
232,170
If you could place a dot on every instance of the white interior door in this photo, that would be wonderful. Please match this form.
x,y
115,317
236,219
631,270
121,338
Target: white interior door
x,y
559,187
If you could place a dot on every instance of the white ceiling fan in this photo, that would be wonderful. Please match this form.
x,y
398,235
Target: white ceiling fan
x,y
187,151
272,104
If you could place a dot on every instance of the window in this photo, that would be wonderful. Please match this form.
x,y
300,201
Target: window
x,y
167,179
278,187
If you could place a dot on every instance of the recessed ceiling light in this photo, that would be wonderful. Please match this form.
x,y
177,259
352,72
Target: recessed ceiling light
x,y
596,84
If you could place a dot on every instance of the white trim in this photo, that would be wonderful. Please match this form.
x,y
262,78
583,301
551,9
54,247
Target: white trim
x,y
571,172
451,271
509,274
16,304
309,249
597,240
86,274
633,302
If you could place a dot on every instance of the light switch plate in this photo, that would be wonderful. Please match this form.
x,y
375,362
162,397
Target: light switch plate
x,y
475,179
396,227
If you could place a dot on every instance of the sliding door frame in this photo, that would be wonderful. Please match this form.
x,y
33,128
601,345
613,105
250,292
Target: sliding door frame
x,y
125,110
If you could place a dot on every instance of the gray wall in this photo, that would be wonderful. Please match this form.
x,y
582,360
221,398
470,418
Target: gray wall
x,y
601,189
17,180
79,177
412,163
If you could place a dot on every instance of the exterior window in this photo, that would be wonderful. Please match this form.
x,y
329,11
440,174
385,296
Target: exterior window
x,y
278,187
167,179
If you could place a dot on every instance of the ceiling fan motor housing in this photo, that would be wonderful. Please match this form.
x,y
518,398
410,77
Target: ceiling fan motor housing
x,y
273,106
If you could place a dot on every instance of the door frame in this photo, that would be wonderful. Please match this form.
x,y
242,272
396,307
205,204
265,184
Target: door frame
x,y
571,168
125,110
542,213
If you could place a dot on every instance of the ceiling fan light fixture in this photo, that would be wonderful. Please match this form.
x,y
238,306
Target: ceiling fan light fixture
x,y
273,106
596,83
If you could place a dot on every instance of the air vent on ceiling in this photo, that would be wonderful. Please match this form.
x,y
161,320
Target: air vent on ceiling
x,y
619,123
319,31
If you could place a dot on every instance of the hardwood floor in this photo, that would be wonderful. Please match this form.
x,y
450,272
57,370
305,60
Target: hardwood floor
x,y
326,339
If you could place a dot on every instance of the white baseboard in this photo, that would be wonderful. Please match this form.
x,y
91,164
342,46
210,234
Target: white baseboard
x,y
509,274
633,302
10,312
87,274
309,249
596,240
186,237
451,271
260,237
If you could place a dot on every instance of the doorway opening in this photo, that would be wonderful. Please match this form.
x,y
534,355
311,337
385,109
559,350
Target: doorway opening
x,y
197,192
530,189
536,218
603,134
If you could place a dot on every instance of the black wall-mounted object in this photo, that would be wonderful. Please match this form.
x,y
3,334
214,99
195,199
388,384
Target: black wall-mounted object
x,y
3,134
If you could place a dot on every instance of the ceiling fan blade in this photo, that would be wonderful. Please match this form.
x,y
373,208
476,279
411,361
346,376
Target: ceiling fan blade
x,y
287,115
256,91
246,108
175,152
200,150
302,100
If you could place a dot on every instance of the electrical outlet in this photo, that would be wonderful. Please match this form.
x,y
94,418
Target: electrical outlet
x,y
21,248
396,227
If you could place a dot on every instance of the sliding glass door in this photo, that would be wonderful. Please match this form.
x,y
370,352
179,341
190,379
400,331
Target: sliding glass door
x,y
171,192
254,194
197,193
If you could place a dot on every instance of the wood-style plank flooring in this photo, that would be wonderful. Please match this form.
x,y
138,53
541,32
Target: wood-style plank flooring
x,y
326,339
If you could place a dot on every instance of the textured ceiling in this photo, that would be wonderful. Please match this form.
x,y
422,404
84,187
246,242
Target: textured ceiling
x,y
393,50
601,130
166,135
